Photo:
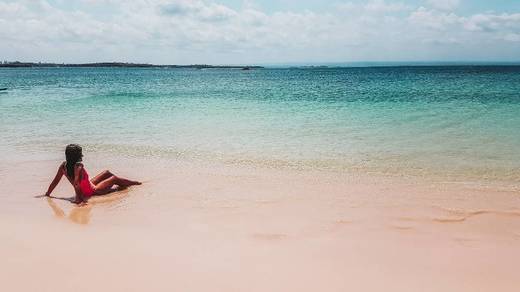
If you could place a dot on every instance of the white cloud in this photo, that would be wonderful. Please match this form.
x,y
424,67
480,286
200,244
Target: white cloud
x,y
373,6
434,19
444,4
197,9
512,37
494,22
182,31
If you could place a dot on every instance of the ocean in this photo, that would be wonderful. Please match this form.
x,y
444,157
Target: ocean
x,y
441,123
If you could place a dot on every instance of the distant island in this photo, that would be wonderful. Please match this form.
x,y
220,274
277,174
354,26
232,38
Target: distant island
x,y
120,65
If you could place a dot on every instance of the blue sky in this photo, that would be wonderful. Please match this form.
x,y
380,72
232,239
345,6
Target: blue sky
x,y
465,7
259,32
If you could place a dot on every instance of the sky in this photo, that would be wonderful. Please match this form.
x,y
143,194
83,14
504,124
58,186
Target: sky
x,y
259,31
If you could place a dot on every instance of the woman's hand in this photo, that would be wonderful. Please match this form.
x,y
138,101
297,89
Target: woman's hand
x,y
47,194
79,201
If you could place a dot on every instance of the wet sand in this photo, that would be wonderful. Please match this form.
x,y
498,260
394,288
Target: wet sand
x,y
193,227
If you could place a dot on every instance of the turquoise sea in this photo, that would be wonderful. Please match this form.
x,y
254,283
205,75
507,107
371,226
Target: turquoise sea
x,y
453,123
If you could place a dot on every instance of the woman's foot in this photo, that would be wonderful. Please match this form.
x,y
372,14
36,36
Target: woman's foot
x,y
126,182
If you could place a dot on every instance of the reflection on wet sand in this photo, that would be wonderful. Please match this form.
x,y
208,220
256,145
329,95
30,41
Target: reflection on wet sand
x,y
78,214
116,195
57,210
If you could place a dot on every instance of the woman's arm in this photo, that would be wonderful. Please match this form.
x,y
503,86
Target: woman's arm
x,y
77,180
55,181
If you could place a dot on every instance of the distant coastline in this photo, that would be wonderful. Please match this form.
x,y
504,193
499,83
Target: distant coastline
x,y
18,64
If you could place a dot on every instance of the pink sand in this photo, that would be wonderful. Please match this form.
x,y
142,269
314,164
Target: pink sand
x,y
226,228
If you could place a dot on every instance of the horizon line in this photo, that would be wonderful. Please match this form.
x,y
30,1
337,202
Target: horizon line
x,y
265,64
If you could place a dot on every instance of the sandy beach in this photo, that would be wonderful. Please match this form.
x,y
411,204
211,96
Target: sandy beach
x,y
282,146
193,227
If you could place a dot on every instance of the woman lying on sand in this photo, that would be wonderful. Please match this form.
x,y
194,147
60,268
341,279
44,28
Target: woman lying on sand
x,y
73,169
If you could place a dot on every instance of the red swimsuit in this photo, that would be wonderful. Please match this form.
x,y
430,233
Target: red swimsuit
x,y
85,185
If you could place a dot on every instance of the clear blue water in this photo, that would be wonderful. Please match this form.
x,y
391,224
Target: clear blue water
x,y
455,123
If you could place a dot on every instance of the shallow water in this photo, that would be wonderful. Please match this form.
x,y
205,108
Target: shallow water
x,y
446,123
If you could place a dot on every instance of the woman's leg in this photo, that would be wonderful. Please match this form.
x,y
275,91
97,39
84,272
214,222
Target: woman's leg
x,y
123,182
106,185
101,177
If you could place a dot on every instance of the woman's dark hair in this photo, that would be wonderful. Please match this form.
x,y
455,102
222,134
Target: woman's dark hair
x,y
73,154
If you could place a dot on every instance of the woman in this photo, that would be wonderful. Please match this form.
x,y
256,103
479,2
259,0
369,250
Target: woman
x,y
73,169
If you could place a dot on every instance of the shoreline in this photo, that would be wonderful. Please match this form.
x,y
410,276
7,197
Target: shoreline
x,y
464,178
280,230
